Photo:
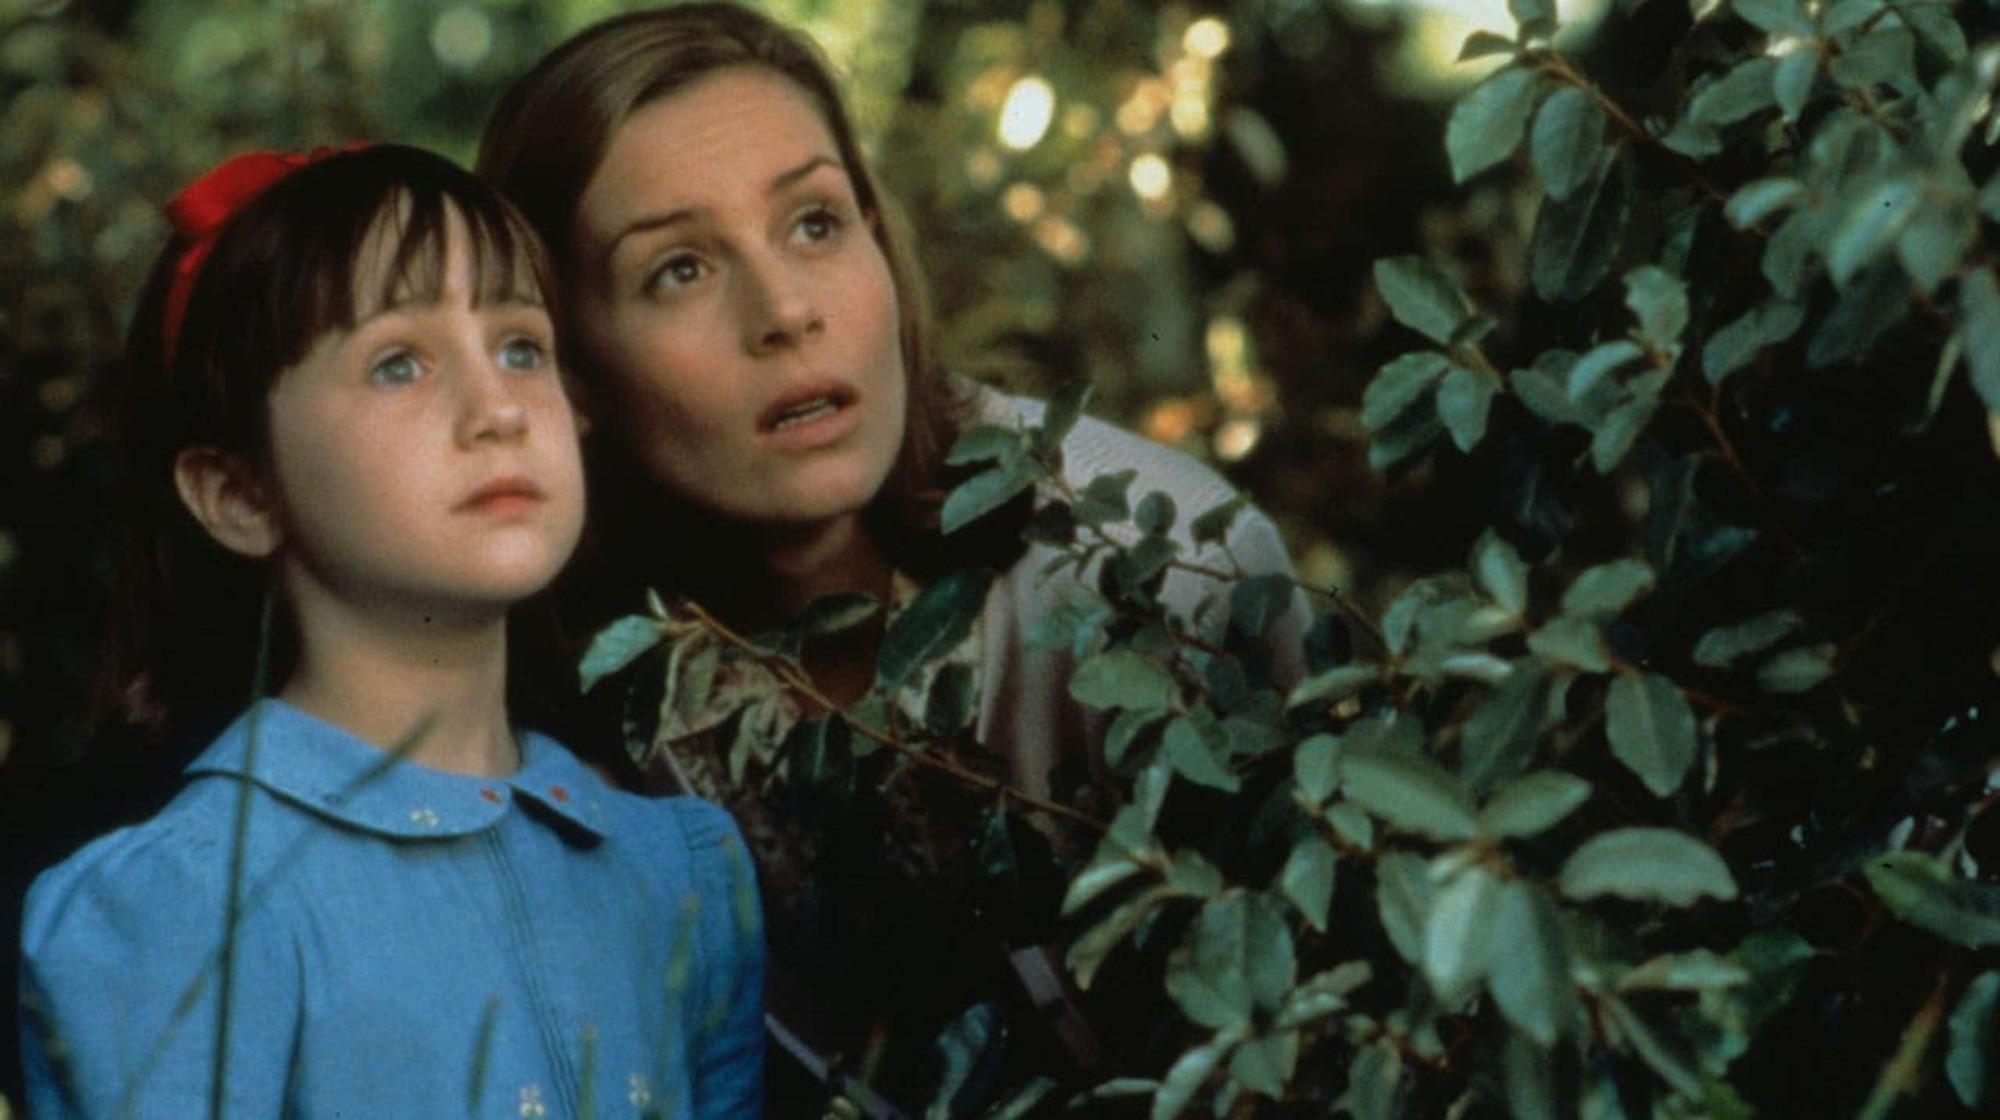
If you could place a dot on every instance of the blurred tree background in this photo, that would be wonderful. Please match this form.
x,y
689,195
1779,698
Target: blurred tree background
x,y
1180,201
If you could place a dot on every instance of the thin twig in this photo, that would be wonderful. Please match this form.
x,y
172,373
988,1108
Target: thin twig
x,y
796,679
1902,1075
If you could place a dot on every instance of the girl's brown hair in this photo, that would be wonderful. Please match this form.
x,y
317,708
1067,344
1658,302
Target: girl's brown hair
x,y
550,133
281,273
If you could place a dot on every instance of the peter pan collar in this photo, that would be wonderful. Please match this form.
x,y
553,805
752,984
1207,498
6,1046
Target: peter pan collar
x,y
336,775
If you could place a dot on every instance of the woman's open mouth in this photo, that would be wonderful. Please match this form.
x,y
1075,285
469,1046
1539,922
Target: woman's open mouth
x,y
811,416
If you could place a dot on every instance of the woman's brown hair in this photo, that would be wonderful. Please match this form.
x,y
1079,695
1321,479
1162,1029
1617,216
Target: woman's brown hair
x,y
280,273
550,133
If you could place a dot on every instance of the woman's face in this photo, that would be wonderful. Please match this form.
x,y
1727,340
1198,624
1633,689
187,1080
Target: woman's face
x,y
735,307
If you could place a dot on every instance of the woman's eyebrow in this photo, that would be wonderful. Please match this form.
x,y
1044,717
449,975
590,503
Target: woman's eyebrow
x,y
779,182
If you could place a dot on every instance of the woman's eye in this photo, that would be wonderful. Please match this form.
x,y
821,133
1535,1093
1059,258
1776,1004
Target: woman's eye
x,y
677,271
523,355
400,368
819,224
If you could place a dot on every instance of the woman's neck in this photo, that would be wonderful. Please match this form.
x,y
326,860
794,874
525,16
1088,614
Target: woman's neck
x,y
394,671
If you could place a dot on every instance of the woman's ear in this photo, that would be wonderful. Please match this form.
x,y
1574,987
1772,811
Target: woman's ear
x,y
226,494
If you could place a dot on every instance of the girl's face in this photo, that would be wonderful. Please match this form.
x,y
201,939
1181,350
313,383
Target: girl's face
x,y
734,302
427,456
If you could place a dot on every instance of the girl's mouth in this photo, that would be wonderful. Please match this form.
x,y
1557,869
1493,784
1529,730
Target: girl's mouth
x,y
804,413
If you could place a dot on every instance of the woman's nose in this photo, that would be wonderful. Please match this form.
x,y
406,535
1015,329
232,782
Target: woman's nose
x,y
783,309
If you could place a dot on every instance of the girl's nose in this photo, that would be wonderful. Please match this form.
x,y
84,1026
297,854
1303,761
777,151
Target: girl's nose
x,y
491,409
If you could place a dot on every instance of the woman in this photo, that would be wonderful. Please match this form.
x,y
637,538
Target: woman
x,y
742,312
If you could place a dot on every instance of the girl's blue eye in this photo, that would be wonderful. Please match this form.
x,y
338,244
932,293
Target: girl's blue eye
x,y
524,355
400,368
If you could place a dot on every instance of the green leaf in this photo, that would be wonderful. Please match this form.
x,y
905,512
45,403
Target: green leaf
x,y
1529,977
1699,970
1499,737
1746,89
951,700
1257,602
1934,245
617,646
1323,994
983,493
1753,202
1528,1075
1779,17
1922,891
1089,951
1126,727
1544,396
1265,1065
818,759
1604,591
1797,670
1790,256
1936,23
1189,1072
1870,224
1064,410
1307,879
1568,138
1352,824
1487,123
1103,498
831,614
1576,239
1722,646
1337,683
1500,571
1882,55
1975,1039
965,1043
1792,83
1533,803
1458,934
1409,791
1122,679
1533,17
1659,300
1979,305
1462,402
981,443
1620,431
1155,513
1315,767
1572,641
1421,297
931,626
1480,44
1212,526
1646,865
1199,755
1589,370
1736,344
1237,957
1652,730
1374,1083
1072,624
1403,893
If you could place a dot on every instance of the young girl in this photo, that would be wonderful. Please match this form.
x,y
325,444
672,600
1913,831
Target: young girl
x,y
746,323
374,895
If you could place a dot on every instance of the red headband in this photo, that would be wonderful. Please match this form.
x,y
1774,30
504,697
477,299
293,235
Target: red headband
x,y
199,212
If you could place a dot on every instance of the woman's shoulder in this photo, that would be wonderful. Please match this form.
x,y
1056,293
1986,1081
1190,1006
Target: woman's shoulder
x,y
1095,447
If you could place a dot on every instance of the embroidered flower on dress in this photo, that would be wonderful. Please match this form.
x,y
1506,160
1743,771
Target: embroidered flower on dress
x,y
531,1102
427,818
641,1093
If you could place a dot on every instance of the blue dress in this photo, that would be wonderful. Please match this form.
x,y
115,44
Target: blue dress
x,y
410,943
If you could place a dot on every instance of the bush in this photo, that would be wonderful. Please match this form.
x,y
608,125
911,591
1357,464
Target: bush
x,y
1680,786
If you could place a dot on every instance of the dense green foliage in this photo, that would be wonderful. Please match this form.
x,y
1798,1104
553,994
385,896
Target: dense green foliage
x,y
1680,784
